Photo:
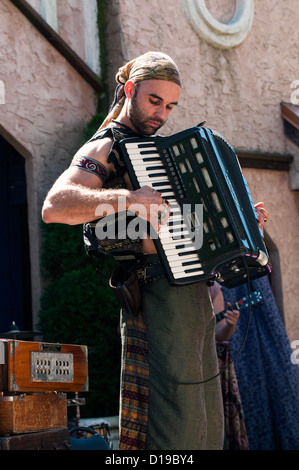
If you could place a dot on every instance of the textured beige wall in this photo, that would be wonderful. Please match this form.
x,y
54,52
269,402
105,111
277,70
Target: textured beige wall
x,y
237,91
47,104
70,22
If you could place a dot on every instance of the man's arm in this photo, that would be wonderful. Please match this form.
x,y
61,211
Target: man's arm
x,y
77,195
75,203
225,328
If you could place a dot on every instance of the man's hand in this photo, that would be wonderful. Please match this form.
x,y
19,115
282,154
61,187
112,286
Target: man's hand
x,y
262,214
149,205
231,316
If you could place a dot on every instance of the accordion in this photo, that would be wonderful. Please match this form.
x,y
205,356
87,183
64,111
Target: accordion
x,y
212,231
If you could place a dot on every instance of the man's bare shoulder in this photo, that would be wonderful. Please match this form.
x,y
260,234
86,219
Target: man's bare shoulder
x,y
97,150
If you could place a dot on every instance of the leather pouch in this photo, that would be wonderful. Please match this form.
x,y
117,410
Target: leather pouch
x,y
126,289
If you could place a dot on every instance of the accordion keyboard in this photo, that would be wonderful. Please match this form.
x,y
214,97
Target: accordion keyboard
x,y
175,239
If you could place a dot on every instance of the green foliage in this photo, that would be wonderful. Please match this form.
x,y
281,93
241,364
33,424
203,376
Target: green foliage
x,y
101,20
78,307
93,126
103,102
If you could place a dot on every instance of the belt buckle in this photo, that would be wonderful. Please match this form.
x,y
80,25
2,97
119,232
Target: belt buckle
x,y
141,273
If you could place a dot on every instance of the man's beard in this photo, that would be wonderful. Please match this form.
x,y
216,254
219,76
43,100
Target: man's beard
x,y
140,121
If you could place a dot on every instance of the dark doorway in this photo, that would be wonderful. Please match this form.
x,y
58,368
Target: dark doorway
x,y
15,279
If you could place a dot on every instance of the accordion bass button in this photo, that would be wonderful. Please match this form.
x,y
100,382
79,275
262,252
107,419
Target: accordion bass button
x,y
262,258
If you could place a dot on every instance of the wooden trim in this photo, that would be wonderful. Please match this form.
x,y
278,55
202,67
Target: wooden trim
x,y
290,113
264,161
60,45
291,132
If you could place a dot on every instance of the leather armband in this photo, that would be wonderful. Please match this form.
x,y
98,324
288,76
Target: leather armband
x,y
93,166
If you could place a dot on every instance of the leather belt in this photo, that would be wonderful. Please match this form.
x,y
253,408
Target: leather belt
x,y
149,271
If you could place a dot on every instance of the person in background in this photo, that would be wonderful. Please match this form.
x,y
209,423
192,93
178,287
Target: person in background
x,y
226,326
235,435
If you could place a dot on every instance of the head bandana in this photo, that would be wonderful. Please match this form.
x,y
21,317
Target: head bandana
x,y
149,66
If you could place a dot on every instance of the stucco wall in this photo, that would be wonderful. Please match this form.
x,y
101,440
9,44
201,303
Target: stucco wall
x,y
47,104
246,82
76,22
237,91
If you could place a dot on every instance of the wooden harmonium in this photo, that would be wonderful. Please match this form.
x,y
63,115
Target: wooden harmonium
x,y
42,367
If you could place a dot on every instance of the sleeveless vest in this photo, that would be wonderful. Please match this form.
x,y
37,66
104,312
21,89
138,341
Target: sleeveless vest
x,y
120,246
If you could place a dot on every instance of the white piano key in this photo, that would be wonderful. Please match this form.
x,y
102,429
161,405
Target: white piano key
x,y
176,264
179,269
160,187
181,246
182,274
149,168
176,227
175,208
186,271
152,173
146,152
144,159
146,180
142,163
143,151
133,145
167,195
188,246
175,256
174,247
175,232
188,255
174,220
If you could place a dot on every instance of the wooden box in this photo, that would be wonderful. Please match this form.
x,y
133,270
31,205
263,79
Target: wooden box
x,y
56,439
39,367
35,412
